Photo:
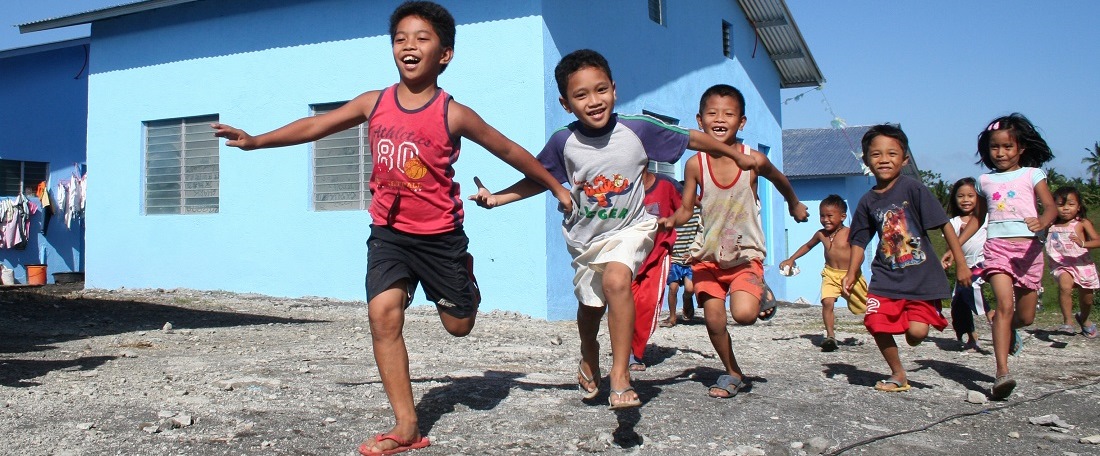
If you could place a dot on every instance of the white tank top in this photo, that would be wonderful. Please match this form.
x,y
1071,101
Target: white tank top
x,y
731,234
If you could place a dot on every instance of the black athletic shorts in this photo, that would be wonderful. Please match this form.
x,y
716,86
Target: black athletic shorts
x,y
439,262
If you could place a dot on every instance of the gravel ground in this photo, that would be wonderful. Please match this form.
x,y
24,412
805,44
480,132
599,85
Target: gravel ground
x,y
143,372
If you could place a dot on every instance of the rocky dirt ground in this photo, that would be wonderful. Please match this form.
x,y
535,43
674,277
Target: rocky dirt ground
x,y
143,372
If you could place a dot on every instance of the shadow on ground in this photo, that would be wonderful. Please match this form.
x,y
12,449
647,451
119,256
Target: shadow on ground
x,y
35,319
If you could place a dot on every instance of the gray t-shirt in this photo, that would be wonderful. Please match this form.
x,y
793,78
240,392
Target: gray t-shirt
x,y
604,168
905,265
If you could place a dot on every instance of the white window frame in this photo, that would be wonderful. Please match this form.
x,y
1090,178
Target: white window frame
x,y
656,9
341,165
182,171
18,170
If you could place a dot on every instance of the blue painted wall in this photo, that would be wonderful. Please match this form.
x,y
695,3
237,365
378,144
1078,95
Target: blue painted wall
x,y
691,60
260,64
43,95
807,285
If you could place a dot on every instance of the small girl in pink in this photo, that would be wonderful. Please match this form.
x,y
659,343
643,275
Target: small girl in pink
x,y
1012,148
1068,242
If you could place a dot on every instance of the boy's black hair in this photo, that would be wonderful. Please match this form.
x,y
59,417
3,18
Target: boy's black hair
x,y
433,13
836,201
890,131
576,61
955,210
1062,193
722,90
1034,150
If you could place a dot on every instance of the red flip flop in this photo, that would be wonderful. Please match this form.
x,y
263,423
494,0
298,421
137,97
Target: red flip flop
x,y
402,445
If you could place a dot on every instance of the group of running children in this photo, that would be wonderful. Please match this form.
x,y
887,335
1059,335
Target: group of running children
x,y
620,222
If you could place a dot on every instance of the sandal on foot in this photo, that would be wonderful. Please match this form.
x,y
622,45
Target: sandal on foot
x,y
1002,388
667,324
1068,329
728,383
891,386
402,445
1090,330
636,402
1017,343
588,393
768,304
829,344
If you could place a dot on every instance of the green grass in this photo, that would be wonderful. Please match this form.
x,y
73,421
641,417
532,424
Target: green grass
x,y
1049,312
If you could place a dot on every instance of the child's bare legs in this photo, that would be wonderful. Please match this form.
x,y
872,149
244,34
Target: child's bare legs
x,y
620,326
1085,304
828,316
714,313
889,350
1065,298
689,303
1015,309
672,297
588,326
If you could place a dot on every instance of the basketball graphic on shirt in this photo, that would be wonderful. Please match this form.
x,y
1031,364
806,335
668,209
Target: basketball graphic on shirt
x,y
414,168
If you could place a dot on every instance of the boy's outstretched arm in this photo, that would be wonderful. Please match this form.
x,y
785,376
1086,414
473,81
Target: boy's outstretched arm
x,y
523,188
768,171
302,130
469,124
703,142
687,195
962,271
809,245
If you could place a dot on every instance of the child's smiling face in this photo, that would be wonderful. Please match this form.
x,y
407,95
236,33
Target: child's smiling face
x,y
966,198
590,95
722,117
1068,208
417,50
1004,151
886,157
832,217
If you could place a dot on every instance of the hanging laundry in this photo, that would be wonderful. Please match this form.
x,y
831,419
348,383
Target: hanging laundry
x,y
43,193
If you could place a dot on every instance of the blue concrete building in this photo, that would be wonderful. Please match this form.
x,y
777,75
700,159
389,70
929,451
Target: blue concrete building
x,y
181,210
43,131
820,162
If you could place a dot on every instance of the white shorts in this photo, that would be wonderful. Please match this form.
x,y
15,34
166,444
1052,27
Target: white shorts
x,y
630,247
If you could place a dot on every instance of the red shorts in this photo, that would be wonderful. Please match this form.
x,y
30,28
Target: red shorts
x,y
717,282
892,316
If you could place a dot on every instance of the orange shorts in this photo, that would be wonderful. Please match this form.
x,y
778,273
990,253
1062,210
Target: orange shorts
x,y
892,316
717,282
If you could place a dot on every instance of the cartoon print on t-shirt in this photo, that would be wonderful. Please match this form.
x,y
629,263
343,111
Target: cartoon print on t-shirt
x,y
601,189
899,247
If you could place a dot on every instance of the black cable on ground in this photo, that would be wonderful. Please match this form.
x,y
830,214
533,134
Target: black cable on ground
x,y
952,417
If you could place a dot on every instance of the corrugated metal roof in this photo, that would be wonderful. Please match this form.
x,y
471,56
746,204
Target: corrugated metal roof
x,y
829,152
98,14
776,29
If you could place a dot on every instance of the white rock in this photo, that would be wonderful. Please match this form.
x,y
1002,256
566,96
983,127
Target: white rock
x,y
85,426
167,327
166,414
1093,439
796,445
819,444
976,397
1014,435
182,420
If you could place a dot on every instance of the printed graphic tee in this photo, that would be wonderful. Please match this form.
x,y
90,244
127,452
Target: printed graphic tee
x,y
905,265
604,168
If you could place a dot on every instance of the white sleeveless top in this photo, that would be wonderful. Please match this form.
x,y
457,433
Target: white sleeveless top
x,y
731,234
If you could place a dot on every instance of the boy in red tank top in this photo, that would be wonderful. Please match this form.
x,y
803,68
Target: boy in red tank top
x,y
416,232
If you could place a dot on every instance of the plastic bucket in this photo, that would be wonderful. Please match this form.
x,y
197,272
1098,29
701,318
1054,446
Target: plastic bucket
x,y
36,274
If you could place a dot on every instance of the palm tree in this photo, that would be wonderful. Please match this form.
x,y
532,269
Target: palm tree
x,y
1093,160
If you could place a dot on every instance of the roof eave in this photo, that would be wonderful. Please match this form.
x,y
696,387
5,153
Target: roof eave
x,y
96,15
784,42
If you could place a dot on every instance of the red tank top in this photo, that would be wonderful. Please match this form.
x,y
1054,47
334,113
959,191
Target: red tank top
x,y
412,182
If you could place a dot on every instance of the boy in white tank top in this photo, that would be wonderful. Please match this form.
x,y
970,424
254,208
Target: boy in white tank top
x,y
729,252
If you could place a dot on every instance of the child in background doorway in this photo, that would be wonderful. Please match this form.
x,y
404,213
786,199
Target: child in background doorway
x,y
1068,244
662,198
834,236
968,301
679,274
1012,148
907,282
